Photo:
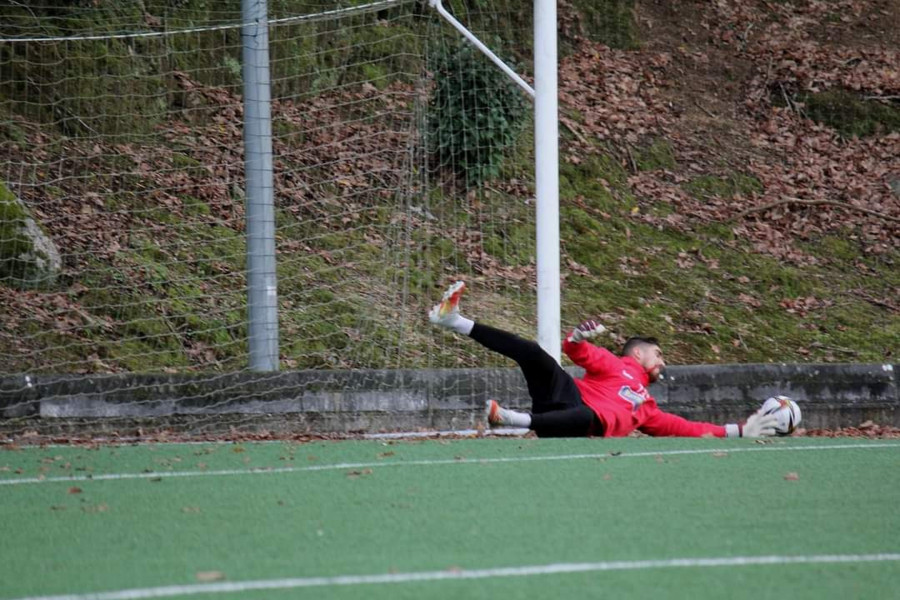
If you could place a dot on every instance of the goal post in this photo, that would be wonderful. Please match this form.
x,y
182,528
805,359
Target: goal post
x,y
122,140
546,142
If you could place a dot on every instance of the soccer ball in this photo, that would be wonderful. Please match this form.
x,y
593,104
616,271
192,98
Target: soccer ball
x,y
786,411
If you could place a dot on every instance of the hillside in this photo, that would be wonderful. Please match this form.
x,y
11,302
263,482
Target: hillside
x,y
730,182
770,220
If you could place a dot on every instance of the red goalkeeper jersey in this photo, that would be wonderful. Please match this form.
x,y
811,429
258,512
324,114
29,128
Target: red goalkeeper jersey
x,y
615,389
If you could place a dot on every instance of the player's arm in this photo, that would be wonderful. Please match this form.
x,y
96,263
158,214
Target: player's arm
x,y
661,423
586,355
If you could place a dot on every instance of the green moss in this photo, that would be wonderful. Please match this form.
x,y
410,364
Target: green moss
x,y
837,248
163,305
720,232
88,87
308,58
712,299
127,86
600,180
375,74
513,244
9,129
135,356
287,131
183,161
606,167
658,155
850,114
610,22
724,187
194,207
12,242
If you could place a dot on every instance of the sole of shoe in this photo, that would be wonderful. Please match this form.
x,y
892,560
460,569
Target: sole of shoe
x,y
451,299
493,412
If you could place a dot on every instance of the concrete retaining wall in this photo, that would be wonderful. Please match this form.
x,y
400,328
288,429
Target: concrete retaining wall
x,y
831,395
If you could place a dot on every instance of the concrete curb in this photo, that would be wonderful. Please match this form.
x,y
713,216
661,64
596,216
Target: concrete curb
x,y
831,395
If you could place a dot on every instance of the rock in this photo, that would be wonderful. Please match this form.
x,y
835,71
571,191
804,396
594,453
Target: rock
x,y
28,257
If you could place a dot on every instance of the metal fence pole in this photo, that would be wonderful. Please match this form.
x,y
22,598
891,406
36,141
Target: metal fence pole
x,y
262,298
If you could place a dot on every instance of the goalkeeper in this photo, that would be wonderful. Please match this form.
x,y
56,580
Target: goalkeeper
x,y
611,400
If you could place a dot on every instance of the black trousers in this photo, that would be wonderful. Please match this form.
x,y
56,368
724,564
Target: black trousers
x,y
556,406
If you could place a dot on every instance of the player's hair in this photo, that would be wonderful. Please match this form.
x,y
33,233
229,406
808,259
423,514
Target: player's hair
x,y
638,340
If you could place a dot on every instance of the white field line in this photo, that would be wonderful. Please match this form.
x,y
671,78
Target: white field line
x,y
457,574
439,462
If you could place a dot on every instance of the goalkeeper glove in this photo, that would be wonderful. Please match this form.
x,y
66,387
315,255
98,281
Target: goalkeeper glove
x,y
586,330
757,425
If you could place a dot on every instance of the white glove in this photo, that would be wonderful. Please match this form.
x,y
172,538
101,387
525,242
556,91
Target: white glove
x,y
759,425
586,330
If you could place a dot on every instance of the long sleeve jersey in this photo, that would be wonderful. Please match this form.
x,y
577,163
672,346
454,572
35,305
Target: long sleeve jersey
x,y
615,389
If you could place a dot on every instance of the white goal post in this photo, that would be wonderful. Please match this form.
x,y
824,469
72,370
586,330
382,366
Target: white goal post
x,y
546,142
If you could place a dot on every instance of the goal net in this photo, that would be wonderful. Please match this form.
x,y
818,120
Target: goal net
x,y
402,161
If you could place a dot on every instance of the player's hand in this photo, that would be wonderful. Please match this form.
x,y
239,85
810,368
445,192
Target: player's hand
x,y
759,425
586,331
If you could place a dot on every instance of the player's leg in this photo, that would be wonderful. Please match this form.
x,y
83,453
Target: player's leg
x,y
497,416
556,406
576,421
541,372
572,421
556,401
565,414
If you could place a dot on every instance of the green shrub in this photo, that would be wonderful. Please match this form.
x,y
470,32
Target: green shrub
x,y
476,112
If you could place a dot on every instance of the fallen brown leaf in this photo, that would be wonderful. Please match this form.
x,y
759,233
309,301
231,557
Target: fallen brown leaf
x,y
356,474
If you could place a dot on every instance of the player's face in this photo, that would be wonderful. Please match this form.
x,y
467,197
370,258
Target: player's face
x,y
652,360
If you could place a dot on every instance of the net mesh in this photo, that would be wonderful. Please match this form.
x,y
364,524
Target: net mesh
x,y
121,161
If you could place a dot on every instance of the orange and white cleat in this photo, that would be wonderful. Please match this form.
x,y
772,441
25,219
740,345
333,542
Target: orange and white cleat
x,y
497,416
492,412
448,308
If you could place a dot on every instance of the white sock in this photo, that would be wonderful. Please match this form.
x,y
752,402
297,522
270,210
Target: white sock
x,y
514,418
458,323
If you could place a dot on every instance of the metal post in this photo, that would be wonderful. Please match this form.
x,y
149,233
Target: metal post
x,y
262,299
437,5
546,140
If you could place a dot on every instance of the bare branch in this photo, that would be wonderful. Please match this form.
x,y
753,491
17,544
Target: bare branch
x,y
789,200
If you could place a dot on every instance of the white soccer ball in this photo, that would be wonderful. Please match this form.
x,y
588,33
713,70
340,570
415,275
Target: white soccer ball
x,y
786,411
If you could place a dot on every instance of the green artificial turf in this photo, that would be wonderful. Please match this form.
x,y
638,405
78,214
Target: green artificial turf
x,y
373,508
